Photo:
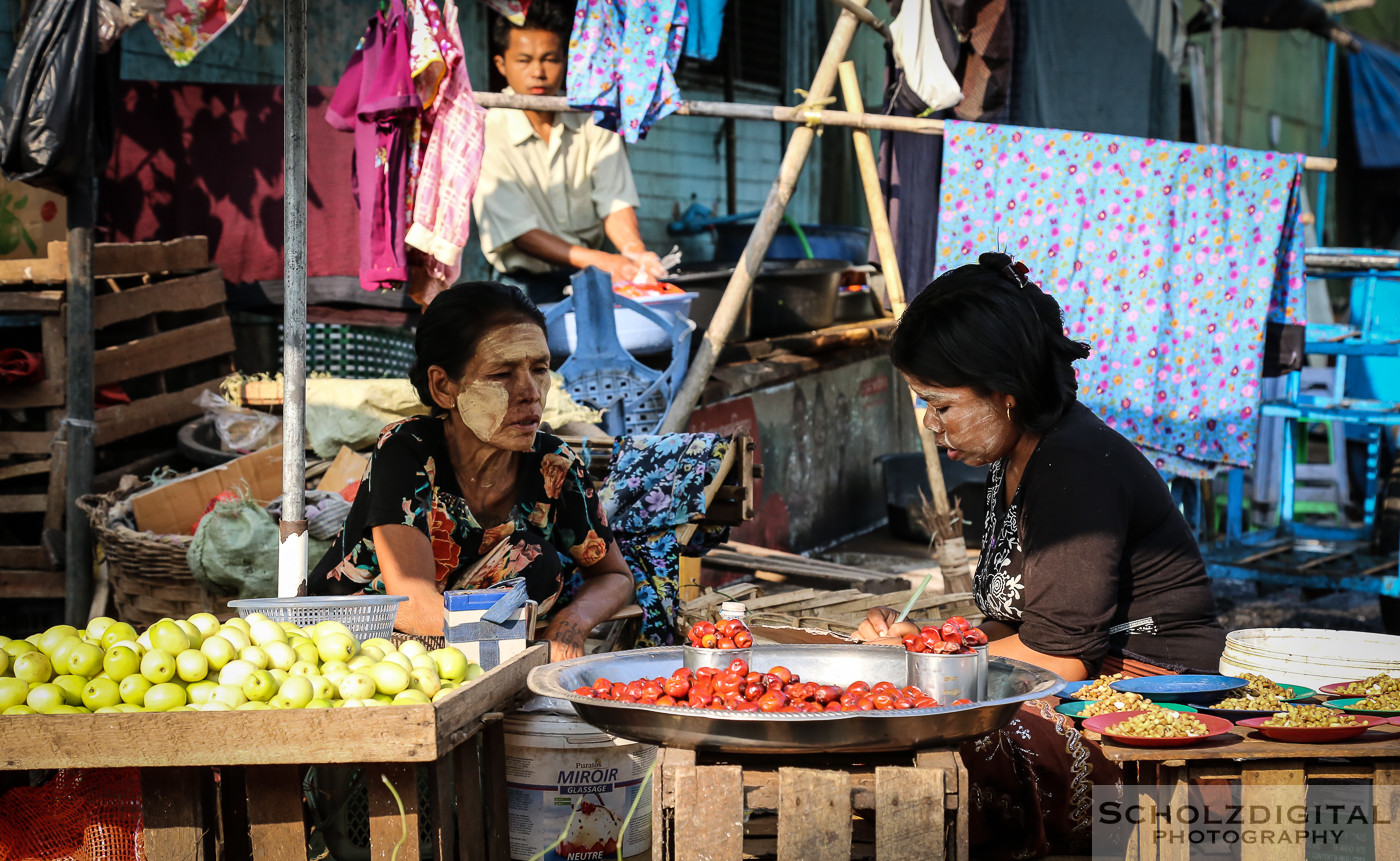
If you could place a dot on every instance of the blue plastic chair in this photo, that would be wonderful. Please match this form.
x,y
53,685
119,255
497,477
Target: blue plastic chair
x,y
602,374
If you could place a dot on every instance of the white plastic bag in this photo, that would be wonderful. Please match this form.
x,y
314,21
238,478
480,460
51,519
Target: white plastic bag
x,y
239,429
917,53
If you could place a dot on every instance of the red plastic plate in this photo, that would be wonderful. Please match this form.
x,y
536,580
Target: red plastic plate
x,y
1102,724
1315,735
1335,689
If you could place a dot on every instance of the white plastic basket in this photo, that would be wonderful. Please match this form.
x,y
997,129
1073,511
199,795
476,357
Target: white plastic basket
x,y
366,616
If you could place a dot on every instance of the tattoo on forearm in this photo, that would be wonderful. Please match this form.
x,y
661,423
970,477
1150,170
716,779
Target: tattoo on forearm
x,y
569,631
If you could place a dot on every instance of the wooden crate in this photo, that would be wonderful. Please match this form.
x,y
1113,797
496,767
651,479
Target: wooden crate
x,y
262,756
894,807
1267,772
110,260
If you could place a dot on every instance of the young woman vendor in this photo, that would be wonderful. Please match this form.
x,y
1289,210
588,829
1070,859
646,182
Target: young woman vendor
x,y
474,493
1086,567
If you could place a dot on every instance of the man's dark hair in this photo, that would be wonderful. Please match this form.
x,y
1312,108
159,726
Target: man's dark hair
x,y
454,325
552,16
985,327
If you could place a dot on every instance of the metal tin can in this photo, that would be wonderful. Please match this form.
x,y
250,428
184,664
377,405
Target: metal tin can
x,y
983,671
944,677
717,658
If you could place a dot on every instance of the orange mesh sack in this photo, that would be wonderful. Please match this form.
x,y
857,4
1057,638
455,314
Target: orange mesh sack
x,y
78,815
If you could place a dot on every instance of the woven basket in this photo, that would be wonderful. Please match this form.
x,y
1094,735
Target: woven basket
x,y
149,576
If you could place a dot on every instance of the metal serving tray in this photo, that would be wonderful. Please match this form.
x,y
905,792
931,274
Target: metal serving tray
x,y
1010,684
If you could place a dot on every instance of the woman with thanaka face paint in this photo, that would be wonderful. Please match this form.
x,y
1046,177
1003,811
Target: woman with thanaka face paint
x,y
474,493
1086,567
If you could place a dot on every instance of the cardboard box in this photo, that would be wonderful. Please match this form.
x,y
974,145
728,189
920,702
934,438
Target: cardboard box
x,y
173,508
347,468
35,218
486,643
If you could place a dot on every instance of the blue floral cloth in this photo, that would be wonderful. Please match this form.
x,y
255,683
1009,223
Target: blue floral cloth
x,y
655,485
622,62
1167,258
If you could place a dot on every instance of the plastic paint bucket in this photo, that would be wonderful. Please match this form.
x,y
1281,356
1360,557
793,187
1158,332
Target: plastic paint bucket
x,y
944,677
557,767
1309,657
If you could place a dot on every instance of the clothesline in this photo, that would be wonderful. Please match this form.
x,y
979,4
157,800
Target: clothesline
x,y
783,114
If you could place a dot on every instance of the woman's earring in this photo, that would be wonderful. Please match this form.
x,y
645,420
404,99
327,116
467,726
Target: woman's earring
x,y
1008,412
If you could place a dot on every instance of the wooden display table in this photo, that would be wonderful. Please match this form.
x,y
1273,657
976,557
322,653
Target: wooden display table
x,y
261,757
810,808
1268,772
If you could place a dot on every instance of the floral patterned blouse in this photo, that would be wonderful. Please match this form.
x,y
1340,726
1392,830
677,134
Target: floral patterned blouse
x,y
410,481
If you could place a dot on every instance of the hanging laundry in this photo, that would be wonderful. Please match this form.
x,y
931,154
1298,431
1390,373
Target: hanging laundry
x,y
186,27
622,62
705,31
513,11
1167,259
1375,99
431,55
451,166
377,101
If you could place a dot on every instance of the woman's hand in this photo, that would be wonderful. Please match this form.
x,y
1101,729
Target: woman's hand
x,y
880,627
606,588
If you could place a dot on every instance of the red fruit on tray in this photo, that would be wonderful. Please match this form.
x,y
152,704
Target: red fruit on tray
x,y
951,634
960,623
743,640
962,702
913,643
975,637
753,690
709,641
783,673
925,703
740,666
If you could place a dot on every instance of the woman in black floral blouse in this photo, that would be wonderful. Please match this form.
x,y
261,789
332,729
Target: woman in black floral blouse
x,y
474,494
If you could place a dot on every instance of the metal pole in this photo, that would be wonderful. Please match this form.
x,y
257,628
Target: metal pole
x,y
291,558
736,293
1217,38
79,427
1321,211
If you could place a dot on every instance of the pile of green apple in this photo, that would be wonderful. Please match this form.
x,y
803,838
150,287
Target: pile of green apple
x,y
198,664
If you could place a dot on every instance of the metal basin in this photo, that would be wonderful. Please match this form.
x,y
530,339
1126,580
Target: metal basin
x,y
1010,684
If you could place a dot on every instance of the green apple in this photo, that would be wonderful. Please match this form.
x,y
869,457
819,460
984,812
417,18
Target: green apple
x,y
190,631
319,703
216,707
451,664
120,662
133,689
169,637
410,648
230,696
236,673
295,693
15,648
132,645
334,669
116,632
292,629
474,671
98,626
85,659
237,636
260,687
389,678
58,656
107,710
66,709
4,663
20,709
128,708
307,651
380,700
279,676
50,639
218,651
383,645
72,688
32,667
13,692
400,659
256,656
183,709
44,698
239,623
280,656
425,661
253,706
329,626
144,641
335,646
425,680
349,704
361,662
100,693
322,688
304,668
199,692
375,652
411,697
158,666
264,631
164,697
191,666
356,686
207,623
443,692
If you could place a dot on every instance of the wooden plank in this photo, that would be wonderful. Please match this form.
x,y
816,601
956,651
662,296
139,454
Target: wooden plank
x,y
14,503
663,798
1385,797
957,794
29,467
814,814
15,583
387,826
495,807
1174,791
233,814
909,814
38,270
178,294
207,339
110,259
458,714
172,818
47,393
53,334
709,811
125,420
25,442
872,584
441,803
57,507
24,557
1381,742
471,821
1273,784
276,829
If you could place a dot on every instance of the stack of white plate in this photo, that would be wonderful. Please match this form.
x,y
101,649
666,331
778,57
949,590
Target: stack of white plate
x,y
1310,657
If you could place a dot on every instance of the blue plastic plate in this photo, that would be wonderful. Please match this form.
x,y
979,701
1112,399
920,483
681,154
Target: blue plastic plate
x,y
1069,690
1193,690
1299,694
1350,705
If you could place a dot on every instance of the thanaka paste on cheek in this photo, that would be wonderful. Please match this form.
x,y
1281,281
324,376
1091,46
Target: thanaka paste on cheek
x,y
482,406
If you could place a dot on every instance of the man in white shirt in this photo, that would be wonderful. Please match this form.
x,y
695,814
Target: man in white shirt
x,y
553,187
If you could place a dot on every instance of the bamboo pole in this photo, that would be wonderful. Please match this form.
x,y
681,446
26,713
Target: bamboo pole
x,y
948,537
782,114
736,293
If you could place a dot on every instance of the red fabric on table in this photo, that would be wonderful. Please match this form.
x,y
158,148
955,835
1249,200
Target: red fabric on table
x,y
206,159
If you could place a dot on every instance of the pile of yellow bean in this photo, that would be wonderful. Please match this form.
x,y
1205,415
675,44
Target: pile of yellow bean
x,y
1099,689
1310,717
1160,724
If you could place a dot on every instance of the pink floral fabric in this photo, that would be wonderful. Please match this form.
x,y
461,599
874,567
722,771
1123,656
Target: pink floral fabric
x,y
622,62
1167,258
